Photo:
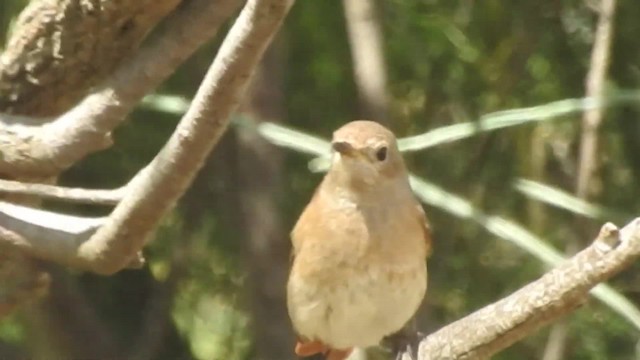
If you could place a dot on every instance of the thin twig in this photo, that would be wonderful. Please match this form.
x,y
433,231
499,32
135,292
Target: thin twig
x,y
39,233
600,59
174,168
66,194
49,149
57,50
365,41
155,190
588,156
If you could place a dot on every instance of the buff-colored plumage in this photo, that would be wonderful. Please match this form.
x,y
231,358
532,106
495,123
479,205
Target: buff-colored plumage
x,y
359,248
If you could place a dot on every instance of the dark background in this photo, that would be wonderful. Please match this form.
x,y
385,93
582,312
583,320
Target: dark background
x,y
213,287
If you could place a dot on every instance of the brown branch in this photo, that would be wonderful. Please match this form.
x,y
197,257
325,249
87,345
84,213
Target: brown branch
x,y
595,88
58,49
75,195
557,293
155,190
53,147
8,120
365,41
49,235
39,153
588,156
174,168
42,233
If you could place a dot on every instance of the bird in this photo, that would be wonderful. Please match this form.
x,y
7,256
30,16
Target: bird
x,y
358,269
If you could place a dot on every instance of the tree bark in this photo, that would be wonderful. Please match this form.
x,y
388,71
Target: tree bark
x,y
60,49
558,292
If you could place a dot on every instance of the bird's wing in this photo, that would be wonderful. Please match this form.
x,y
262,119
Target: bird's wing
x,y
297,236
426,228
301,229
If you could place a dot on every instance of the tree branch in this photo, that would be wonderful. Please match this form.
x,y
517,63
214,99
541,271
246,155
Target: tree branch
x,y
588,156
30,84
365,41
558,292
174,168
44,234
49,235
77,195
595,88
155,190
60,48
53,147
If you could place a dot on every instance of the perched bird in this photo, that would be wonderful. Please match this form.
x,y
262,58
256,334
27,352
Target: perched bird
x,y
358,271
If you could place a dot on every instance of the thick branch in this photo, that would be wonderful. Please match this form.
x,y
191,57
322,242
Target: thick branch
x,y
51,148
558,292
44,234
49,235
174,168
155,190
60,48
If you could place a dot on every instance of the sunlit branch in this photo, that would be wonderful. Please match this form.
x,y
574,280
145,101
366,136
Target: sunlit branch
x,y
66,194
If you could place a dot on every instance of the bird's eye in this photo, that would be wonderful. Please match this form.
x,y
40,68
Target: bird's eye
x,y
381,154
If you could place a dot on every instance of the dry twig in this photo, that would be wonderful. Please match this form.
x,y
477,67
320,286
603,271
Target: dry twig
x,y
66,194
155,190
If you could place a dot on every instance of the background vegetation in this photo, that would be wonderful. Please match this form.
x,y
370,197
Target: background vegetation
x,y
212,287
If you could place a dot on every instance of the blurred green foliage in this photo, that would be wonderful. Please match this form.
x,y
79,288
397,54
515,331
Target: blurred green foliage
x,y
448,63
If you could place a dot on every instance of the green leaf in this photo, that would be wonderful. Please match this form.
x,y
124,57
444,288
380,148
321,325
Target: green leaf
x,y
507,118
521,237
170,104
293,139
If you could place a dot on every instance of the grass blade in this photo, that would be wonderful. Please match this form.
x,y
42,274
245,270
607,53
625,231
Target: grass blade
x,y
564,200
508,118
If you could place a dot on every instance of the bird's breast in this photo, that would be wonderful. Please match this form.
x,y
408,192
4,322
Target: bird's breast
x,y
358,306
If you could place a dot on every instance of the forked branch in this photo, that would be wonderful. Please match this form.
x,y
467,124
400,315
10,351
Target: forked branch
x,y
156,189
46,150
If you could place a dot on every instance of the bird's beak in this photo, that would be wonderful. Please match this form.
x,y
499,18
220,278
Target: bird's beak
x,y
344,148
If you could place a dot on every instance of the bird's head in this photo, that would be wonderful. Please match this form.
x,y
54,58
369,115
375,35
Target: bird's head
x,y
365,155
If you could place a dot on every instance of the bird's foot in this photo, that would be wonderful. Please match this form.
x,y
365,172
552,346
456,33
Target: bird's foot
x,y
316,349
403,342
309,348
